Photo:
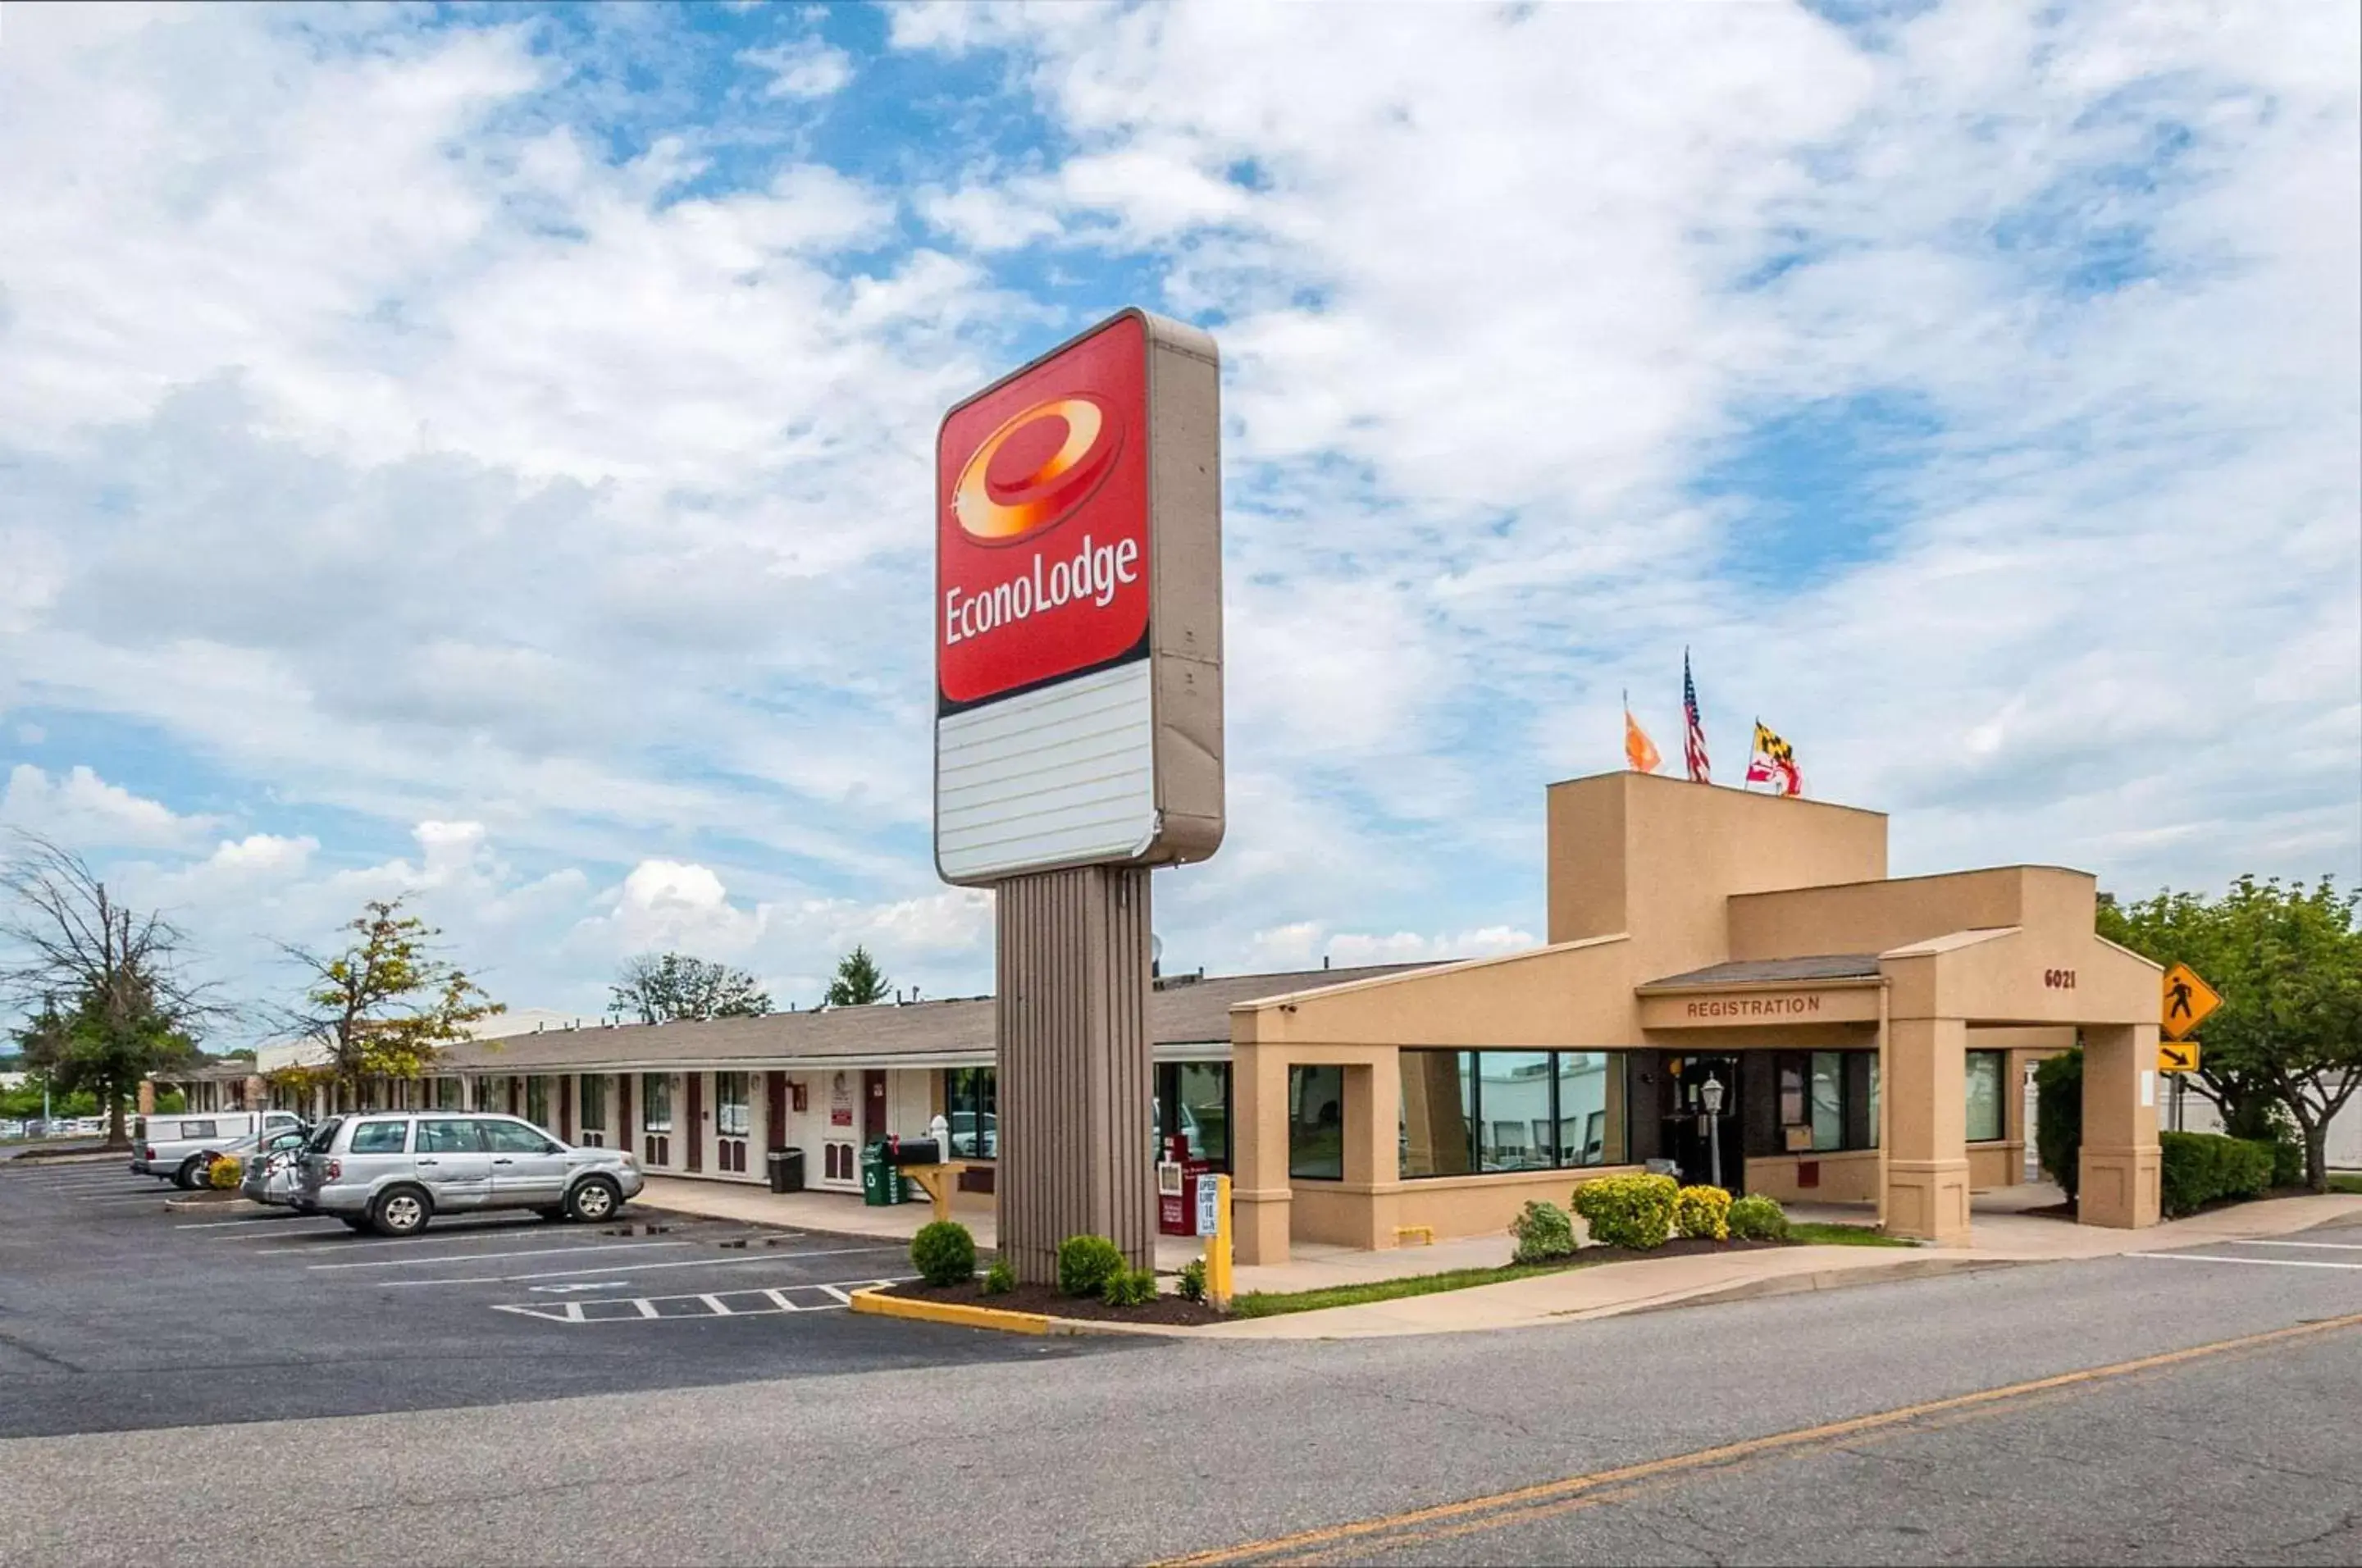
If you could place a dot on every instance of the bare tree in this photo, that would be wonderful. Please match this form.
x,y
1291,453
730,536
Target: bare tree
x,y
100,982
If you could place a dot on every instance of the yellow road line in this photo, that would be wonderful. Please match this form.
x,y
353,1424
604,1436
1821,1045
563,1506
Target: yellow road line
x,y
1554,1496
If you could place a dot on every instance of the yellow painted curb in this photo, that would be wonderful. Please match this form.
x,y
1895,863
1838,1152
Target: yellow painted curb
x,y
966,1316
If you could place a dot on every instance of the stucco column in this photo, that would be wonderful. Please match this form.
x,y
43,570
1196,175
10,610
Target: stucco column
x,y
1927,1118
1260,1193
147,1097
1373,1147
2120,1168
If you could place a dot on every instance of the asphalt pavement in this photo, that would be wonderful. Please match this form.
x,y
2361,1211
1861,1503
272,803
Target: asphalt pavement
x,y
118,1313
1335,1450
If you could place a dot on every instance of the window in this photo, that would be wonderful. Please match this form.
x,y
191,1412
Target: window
x,y
199,1130
448,1138
537,1100
1316,1124
970,1105
515,1138
323,1136
594,1102
655,1102
732,1116
1828,1102
446,1094
1467,1113
1986,1070
1196,1096
380,1137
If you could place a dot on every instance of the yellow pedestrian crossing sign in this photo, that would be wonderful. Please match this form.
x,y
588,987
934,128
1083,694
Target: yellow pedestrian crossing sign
x,y
2187,1002
2176,1055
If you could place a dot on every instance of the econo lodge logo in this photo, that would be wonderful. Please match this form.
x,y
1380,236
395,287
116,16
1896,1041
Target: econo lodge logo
x,y
1041,531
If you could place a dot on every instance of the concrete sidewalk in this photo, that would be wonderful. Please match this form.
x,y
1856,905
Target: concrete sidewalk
x,y
1611,1289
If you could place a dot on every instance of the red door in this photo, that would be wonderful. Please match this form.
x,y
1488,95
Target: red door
x,y
696,1120
775,1110
873,1105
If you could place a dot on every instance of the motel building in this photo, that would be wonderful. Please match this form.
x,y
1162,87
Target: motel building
x,y
1866,1037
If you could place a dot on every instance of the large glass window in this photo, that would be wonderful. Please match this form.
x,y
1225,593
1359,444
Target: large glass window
x,y
537,1100
1590,1107
655,1102
970,1105
594,1102
446,1094
1470,1111
733,1116
1986,1123
1316,1124
1828,1102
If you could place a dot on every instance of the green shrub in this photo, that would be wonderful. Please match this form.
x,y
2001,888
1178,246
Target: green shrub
x,y
1756,1218
2059,1118
226,1173
1000,1279
1703,1213
1192,1286
1130,1288
1085,1263
2199,1168
943,1253
1634,1211
1543,1232
2288,1163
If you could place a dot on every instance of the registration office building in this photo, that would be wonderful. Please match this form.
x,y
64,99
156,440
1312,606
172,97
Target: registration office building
x,y
1862,1037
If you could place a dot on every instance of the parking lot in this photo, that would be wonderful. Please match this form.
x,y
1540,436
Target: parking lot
x,y
118,1312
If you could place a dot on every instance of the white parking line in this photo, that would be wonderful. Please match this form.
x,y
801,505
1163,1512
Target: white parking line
x,y
441,1236
485,1257
2326,1246
2257,1262
642,1268
754,1301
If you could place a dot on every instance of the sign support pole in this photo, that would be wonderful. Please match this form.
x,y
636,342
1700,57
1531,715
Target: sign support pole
x,y
1076,1153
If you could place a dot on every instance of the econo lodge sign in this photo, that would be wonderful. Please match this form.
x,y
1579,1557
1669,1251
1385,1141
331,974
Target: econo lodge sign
x,y
1078,609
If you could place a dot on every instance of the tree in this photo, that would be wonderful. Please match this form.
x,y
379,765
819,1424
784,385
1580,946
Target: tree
x,y
859,981
677,985
386,1005
2288,962
99,983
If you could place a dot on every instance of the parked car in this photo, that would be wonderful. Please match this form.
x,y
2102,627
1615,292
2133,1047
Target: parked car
x,y
270,1174
393,1171
12,1130
173,1147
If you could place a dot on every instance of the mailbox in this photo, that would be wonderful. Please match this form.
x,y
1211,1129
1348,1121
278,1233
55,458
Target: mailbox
x,y
902,1151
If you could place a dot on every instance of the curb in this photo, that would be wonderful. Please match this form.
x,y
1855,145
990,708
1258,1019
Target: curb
x,y
226,1205
963,1316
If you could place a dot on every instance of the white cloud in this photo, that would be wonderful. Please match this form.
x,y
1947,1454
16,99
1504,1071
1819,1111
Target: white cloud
x,y
808,70
80,809
1305,945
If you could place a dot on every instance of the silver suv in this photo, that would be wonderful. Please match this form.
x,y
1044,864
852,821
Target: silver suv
x,y
393,1171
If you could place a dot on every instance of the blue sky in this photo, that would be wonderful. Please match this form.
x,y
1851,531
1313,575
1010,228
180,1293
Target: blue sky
x,y
480,453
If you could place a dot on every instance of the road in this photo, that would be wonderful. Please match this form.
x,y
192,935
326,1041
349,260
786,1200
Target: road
x,y
1794,1429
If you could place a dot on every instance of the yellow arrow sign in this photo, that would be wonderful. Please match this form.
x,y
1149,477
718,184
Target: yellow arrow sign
x,y
2186,1002
2176,1057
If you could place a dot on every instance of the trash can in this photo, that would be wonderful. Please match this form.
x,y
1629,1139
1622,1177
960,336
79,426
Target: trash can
x,y
881,1184
786,1168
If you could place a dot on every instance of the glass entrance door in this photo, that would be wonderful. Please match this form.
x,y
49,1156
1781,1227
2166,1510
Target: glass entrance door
x,y
1706,1145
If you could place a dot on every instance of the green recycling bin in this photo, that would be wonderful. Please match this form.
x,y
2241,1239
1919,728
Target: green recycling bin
x,y
881,1184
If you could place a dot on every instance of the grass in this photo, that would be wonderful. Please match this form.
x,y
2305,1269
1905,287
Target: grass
x,y
1273,1303
2345,1181
1815,1233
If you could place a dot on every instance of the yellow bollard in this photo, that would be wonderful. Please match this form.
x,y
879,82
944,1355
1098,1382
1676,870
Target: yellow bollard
x,y
1218,1247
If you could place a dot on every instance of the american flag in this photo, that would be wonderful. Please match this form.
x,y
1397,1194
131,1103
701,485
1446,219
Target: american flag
x,y
1695,748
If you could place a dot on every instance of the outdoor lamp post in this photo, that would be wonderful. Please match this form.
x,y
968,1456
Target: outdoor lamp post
x,y
1710,1095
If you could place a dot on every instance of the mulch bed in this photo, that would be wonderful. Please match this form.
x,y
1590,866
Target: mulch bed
x,y
1169,1310
1674,1247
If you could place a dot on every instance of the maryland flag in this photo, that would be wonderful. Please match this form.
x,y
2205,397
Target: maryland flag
x,y
1773,762
1639,751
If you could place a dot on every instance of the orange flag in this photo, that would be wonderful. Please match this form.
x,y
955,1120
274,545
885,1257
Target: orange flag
x,y
1639,751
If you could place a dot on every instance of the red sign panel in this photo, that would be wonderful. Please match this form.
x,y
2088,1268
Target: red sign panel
x,y
1041,522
